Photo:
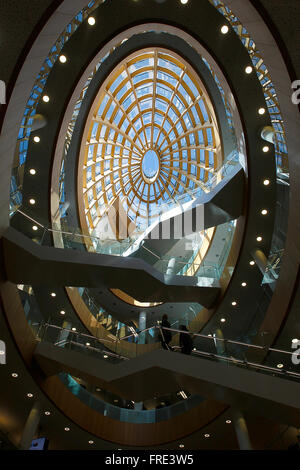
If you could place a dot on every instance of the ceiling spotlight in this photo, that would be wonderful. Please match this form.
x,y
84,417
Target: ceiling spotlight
x,y
63,59
181,446
30,395
35,228
105,356
91,21
91,442
73,329
295,341
228,421
98,389
32,171
223,320
32,201
252,263
36,139
210,335
280,366
15,375
47,413
266,148
206,435
67,429
184,2
244,284
266,182
234,303
87,344
259,239
46,99
264,212
261,111
53,294
62,312
248,69
224,29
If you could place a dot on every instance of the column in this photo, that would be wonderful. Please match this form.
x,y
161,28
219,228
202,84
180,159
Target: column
x,y
63,334
220,345
241,430
31,426
142,326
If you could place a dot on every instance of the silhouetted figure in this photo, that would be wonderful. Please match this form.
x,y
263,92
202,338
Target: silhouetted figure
x,y
185,341
166,335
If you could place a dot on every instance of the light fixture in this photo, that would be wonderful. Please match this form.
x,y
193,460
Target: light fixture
x,y
252,263
32,201
248,69
15,375
91,21
223,320
53,294
91,442
259,239
266,149
46,99
224,29
35,228
87,344
280,366
206,435
295,341
105,356
116,401
62,312
67,429
210,335
98,389
30,395
36,139
73,329
228,421
63,59
261,111
32,171
184,2
244,284
234,303
266,182
47,413
264,212
181,446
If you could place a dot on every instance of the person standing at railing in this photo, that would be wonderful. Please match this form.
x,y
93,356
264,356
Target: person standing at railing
x,y
185,341
166,335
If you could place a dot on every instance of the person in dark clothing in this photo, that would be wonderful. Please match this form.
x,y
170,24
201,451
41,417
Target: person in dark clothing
x,y
166,335
185,341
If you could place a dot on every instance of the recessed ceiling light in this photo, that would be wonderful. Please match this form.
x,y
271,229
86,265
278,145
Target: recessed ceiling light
x,y
32,171
244,284
249,69
98,389
280,366
35,228
206,435
47,413
116,401
87,344
91,442
264,212
32,201
266,149
234,303
224,29
266,182
252,263
67,429
15,375
62,312
184,2
181,446
223,320
46,99
30,395
36,139
74,329
295,340
105,356
91,21
53,294
259,239
209,334
63,59
261,111
228,421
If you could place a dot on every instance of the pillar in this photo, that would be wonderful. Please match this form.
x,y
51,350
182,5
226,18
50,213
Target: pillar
x,y
220,345
31,426
241,430
142,326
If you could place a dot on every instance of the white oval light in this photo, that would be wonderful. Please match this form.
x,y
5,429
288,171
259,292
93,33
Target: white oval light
x,y
249,69
224,29
91,21
259,239
35,228
261,111
244,284
264,212
46,99
266,149
36,139
266,182
32,201
63,59
32,171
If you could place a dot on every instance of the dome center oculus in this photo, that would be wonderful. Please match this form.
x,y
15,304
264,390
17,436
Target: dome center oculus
x,y
150,164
